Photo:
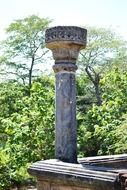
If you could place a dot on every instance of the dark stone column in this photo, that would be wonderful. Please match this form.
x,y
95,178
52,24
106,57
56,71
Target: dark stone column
x,y
66,116
65,43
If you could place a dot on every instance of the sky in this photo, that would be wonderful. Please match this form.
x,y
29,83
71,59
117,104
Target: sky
x,y
101,13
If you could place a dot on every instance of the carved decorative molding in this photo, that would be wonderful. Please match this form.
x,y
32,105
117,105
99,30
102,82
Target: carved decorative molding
x,y
65,54
66,42
66,33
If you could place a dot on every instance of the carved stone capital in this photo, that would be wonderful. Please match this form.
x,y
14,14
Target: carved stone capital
x,y
66,42
65,54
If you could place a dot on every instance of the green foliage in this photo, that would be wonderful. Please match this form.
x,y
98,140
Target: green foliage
x,y
102,46
120,145
10,94
26,36
98,125
5,179
101,128
27,126
26,109
85,97
24,48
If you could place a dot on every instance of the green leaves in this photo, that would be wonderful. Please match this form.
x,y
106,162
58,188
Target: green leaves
x,y
102,45
28,125
24,47
102,128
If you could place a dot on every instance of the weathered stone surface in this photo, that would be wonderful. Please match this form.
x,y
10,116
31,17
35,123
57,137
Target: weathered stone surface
x,y
43,185
72,34
117,162
54,174
69,67
74,176
66,42
66,132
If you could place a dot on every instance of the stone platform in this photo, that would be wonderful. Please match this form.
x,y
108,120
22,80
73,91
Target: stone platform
x,y
92,173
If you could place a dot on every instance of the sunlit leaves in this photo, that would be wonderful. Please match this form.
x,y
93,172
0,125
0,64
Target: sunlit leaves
x,y
24,47
28,125
103,128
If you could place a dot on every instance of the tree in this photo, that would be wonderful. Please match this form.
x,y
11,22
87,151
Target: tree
x,y
24,47
27,128
103,128
103,46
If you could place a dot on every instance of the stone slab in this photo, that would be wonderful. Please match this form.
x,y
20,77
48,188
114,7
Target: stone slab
x,y
74,175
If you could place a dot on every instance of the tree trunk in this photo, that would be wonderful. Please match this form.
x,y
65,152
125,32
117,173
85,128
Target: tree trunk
x,y
95,79
30,73
98,94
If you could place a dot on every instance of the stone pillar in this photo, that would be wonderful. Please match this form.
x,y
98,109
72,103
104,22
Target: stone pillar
x,y
65,43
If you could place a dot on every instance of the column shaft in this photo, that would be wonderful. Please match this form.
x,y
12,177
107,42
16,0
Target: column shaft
x,y
66,135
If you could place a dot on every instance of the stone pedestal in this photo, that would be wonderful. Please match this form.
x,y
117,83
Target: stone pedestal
x,y
57,175
92,173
